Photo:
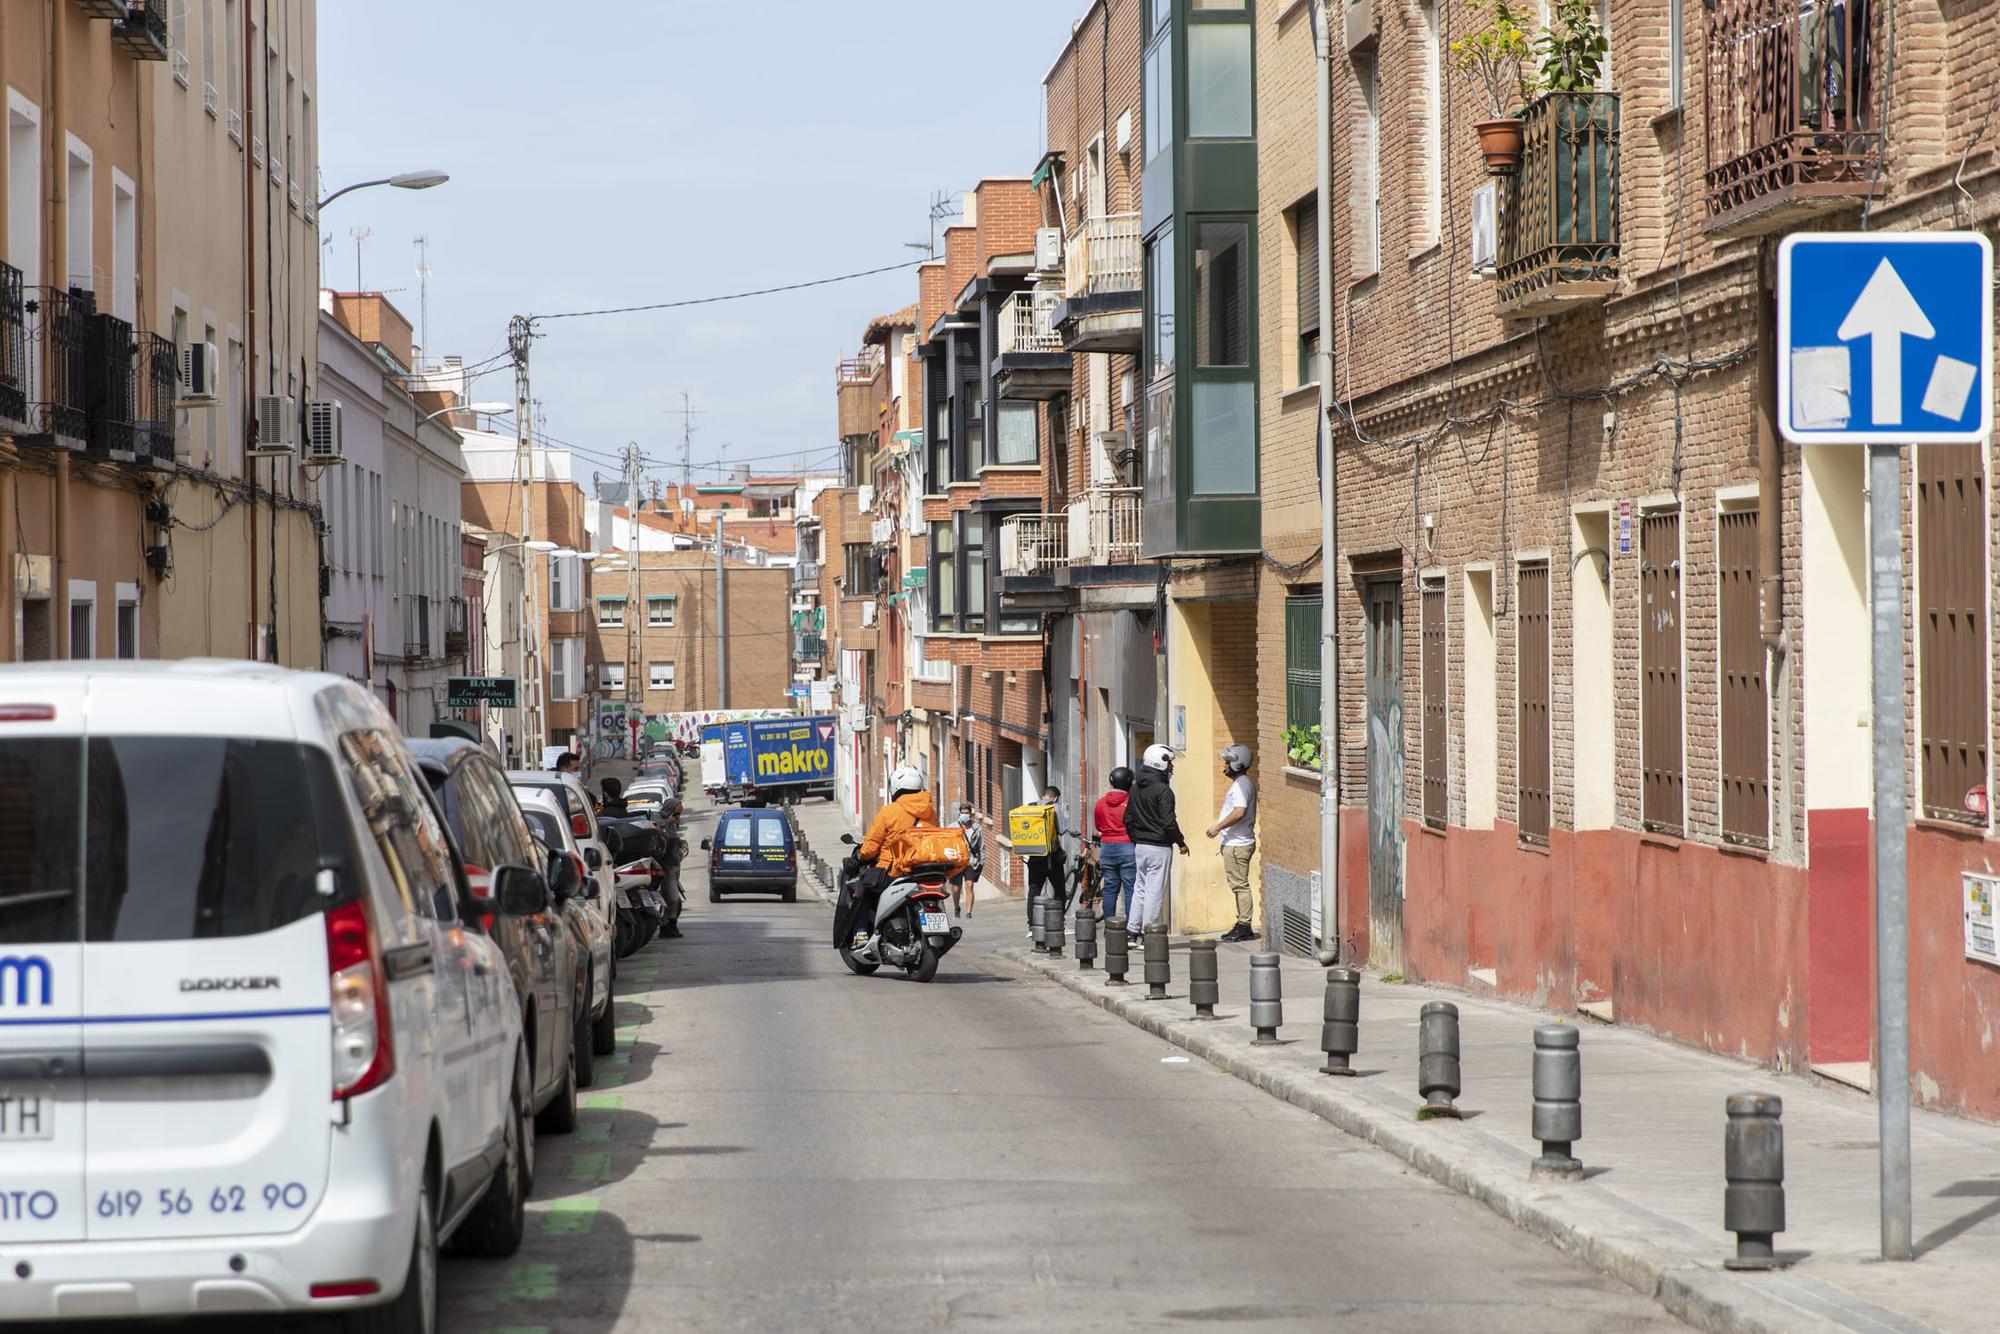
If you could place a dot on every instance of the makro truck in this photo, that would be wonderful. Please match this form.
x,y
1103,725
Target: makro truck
x,y
769,759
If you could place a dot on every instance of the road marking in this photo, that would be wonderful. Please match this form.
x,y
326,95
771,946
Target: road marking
x,y
570,1217
594,1131
601,1102
588,1167
528,1283
610,1079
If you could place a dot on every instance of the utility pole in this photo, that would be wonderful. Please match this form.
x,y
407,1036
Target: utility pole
x,y
687,443
424,296
636,684
519,334
721,618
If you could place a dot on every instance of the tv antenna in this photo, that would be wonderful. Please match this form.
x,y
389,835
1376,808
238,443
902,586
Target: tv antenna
x,y
361,236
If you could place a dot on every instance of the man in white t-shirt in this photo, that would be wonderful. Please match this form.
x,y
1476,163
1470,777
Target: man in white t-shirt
x,y
1236,826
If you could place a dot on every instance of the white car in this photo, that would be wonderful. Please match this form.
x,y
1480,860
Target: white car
x,y
252,1059
550,824
569,789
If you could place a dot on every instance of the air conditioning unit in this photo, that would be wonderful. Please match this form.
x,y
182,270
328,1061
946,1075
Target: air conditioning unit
x,y
277,424
864,497
1048,249
323,432
858,719
201,373
868,614
1486,229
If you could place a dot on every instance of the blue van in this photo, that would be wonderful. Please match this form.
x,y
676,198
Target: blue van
x,y
755,851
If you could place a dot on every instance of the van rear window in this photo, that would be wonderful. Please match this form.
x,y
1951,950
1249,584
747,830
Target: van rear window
x,y
191,838
770,831
736,832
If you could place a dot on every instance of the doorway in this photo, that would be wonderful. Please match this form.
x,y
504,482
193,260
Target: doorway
x,y
1383,600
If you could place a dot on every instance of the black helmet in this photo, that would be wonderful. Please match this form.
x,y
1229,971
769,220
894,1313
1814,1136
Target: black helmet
x,y
1121,778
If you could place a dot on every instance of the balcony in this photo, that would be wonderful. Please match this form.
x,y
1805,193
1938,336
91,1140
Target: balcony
x,y
1033,545
805,574
13,352
110,387
809,648
58,337
1559,231
1787,99
103,9
1031,364
860,385
143,33
1103,303
158,380
1105,570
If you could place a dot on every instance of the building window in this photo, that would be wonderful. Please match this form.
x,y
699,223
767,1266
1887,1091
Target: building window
x,y
863,575
1367,188
1019,434
1437,719
660,676
1478,680
232,66
566,669
660,611
1302,649
1222,293
611,676
1951,629
944,581
82,620
82,231
972,553
611,611
1159,95
1430,203
1219,91
1305,246
1531,681
566,583
1663,783
1160,301
1746,816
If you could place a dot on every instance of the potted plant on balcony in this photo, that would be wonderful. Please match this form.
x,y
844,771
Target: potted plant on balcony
x,y
1571,49
1497,54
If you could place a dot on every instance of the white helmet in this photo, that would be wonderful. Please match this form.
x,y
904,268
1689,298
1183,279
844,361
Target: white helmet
x,y
1159,757
1237,759
906,779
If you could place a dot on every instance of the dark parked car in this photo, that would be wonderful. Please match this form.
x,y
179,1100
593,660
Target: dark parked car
x,y
752,851
544,951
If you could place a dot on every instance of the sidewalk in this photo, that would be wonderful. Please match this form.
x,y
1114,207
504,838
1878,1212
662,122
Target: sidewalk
x,y
1650,1210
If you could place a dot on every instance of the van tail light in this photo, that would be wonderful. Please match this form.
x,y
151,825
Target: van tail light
x,y
364,1047
360,1287
479,880
579,824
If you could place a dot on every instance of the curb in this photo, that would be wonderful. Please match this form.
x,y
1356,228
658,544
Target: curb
x,y
1615,1237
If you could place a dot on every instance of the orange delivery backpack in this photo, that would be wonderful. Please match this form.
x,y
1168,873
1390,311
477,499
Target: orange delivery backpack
x,y
929,847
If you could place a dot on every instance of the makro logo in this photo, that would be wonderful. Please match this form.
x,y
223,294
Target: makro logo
x,y
23,970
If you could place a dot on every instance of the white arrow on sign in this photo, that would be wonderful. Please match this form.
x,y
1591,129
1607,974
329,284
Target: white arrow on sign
x,y
1883,313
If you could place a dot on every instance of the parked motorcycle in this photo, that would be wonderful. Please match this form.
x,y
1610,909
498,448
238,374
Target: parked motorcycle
x,y
911,930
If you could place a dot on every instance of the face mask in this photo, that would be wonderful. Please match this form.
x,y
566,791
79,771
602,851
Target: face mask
x,y
965,817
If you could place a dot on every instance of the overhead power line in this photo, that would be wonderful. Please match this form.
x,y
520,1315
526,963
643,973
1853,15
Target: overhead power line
x,y
731,296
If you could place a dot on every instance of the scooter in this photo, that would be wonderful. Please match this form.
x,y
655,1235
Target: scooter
x,y
910,930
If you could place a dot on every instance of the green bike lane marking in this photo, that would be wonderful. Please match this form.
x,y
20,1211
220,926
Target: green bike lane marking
x,y
593,1131
528,1283
592,1167
601,1102
570,1217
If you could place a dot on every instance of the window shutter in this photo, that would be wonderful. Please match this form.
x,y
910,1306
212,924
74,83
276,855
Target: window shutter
x,y
1436,716
1951,628
1306,228
1660,671
1302,633
1745,739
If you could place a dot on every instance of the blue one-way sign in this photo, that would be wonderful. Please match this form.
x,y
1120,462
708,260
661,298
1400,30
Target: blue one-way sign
x,y
1885,337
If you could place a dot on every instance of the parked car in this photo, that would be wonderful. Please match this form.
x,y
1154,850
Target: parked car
x,y
550,825
656,798
753,851
545,952
258,1022
576,799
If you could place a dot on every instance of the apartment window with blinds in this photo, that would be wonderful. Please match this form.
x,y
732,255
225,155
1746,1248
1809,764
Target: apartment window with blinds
x,y
1662,781
1746,813
1531,674
1951,629
1437,719
944,579
863,575
1305,242
1302,630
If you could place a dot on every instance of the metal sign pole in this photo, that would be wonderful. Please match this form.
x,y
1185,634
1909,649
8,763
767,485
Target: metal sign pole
x,y
1892,946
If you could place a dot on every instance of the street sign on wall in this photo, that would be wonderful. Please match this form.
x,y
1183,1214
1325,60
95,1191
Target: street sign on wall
x,y
1885,337
469,692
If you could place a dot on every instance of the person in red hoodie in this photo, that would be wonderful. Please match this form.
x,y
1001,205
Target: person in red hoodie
x,y
1114,853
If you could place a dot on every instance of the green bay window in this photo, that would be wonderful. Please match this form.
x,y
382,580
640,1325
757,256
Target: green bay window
x,y
1219,95
944,582
972,554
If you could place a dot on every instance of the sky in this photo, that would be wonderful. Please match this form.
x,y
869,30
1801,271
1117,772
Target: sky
x,y
660,152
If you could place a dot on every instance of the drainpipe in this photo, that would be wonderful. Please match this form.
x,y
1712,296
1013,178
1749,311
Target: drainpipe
x,y
59,562
1329,522
1770,467
250,63
10,650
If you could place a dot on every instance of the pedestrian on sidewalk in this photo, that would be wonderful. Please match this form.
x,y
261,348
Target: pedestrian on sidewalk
x,y
568,763
1045,873
966,882
1151,820
1236,826
1114,851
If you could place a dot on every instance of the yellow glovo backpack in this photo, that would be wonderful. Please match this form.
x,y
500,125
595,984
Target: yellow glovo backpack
x,y
1032,830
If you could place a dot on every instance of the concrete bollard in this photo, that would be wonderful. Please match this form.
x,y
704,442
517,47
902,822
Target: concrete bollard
x,y
1558,1115
1204,979
1437,1059
1086,936
1753,1162
1159,965
1340,1031
1267,1010
1035,926
1116,949
1052,925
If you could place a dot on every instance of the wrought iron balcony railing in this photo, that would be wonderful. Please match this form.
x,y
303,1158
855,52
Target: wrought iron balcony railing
x,y
110,386
1559,231
158,380
809,648
1788,90
58,337
14,362
144,33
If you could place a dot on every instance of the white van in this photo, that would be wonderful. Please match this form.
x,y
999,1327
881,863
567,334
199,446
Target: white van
x,y
252,1058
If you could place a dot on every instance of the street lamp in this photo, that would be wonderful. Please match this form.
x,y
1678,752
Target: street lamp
x,y
476,409
516,546
408,180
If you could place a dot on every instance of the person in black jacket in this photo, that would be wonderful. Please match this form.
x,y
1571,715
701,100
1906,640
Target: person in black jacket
x,y
1155,828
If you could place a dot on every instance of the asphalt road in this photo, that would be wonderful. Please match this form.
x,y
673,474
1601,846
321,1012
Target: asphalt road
x,y
782,1145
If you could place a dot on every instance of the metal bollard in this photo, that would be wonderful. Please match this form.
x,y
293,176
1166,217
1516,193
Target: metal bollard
x,y
1753,1161
1159,965
1086,936
1437,1059
1340,1031
1558,1115
1267,1010
1204,984
1035,926
1052,925
1115,951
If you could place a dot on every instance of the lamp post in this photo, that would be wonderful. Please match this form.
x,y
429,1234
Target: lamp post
x,y
407,180
476,409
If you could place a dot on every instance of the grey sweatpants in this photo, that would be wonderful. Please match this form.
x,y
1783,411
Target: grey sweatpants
x,y
1149,888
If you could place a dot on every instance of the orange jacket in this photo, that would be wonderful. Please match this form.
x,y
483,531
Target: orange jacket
x,y
911,808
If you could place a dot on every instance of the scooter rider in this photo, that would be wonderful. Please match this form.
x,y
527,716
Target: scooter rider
x,y
909,805
1151,820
